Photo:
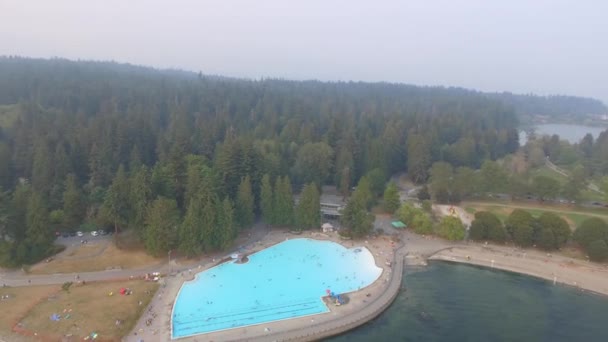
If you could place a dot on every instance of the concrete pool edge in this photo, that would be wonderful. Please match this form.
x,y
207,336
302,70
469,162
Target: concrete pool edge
x,y
195,277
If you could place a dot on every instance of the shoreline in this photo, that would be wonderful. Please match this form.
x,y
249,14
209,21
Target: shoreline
x,y
557,269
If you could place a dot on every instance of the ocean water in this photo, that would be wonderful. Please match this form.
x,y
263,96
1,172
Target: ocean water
x,y
455,302
284,281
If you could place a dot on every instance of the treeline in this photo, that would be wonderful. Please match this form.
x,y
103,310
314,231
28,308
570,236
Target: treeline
x,y
556,106
103,143
548,231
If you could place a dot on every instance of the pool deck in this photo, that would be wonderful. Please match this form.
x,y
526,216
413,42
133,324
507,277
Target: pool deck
x,y
360,309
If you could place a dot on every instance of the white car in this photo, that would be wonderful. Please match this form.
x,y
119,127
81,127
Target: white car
x,y
94,233
80,234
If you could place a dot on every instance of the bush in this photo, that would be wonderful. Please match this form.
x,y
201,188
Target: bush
x,y
451,228
422,224
559,228
520,225
591,230
598,250
487,226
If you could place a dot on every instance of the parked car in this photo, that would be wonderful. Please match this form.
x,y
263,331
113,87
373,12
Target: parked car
x,y
94,233
72,233
103,232
80,234
65,235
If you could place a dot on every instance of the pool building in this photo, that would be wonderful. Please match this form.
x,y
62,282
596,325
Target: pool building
x,y
287,280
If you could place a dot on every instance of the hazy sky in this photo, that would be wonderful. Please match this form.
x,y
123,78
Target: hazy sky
x,y
541,46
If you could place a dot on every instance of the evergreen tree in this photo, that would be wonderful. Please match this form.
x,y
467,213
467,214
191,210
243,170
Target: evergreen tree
x,y
74,205
6,166
42,172
18,212
356,218
391,198
4,214
308,211
116,201
162,183
225,231
364,193
162,224
38,237
140,196
283,202
266,200
189,231
244,204
208,218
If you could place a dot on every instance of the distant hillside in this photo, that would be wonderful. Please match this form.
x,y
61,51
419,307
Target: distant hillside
x,y
558,108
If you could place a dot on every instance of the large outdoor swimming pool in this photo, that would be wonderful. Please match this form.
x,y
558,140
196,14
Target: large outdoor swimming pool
x,y
284,281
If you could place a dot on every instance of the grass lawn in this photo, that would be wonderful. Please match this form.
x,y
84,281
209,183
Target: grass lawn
x,y
573,216
545,171
91,309
20,301
83,259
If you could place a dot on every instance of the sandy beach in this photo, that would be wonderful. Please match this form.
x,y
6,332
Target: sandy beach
x,y
555,268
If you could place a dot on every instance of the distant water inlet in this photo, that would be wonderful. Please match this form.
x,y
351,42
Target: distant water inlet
x,y
281,282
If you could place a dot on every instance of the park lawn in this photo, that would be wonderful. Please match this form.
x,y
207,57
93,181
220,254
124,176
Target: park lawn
x,y
545,171
86,250
20,301
91,309
573,217
111,257
588,195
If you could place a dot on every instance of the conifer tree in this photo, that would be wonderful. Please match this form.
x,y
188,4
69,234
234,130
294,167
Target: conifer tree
x,y
244,204
4,213
225,232
18,210
38,237
355,216
283,202
391,198
308,211
74,205
266,200
140,196
208,226
116,201
189,231
162,224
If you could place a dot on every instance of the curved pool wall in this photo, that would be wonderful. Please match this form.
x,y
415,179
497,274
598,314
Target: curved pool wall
x,y
281,282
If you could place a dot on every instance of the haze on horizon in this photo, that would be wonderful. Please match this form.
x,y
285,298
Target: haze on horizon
x,y
542,46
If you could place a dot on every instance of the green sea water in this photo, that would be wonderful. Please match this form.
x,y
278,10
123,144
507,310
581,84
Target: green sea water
x,y
456,302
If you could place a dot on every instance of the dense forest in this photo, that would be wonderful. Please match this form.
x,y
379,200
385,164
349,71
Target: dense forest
x,y
187,160
553,106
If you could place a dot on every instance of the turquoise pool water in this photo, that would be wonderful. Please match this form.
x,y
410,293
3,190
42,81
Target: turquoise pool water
x,y
284,281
